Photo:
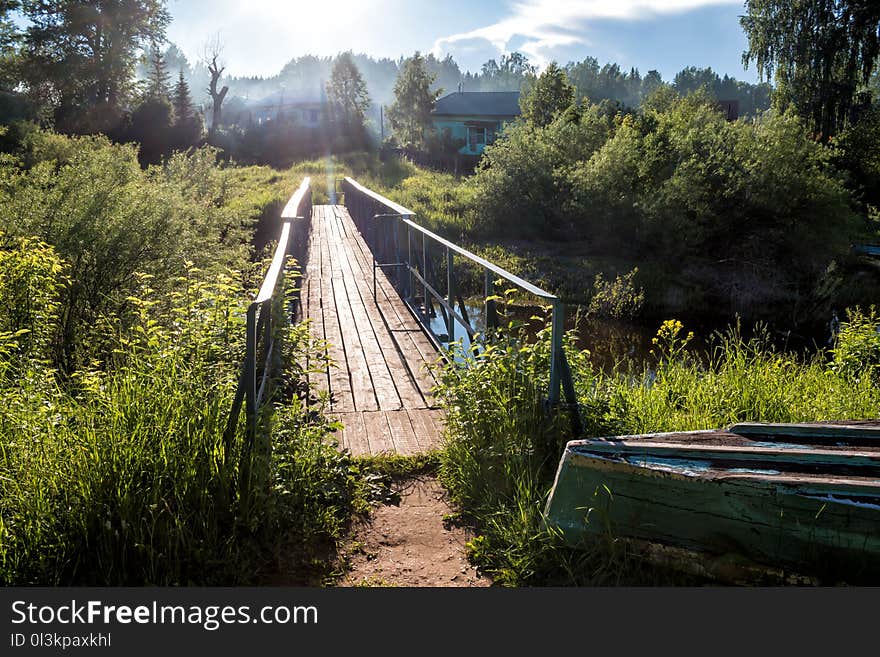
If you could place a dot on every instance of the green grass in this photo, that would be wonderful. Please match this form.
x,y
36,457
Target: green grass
x,y
502,449
122,477
121,342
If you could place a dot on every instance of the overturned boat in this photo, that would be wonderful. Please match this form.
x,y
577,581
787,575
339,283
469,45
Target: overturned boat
x,y
792,498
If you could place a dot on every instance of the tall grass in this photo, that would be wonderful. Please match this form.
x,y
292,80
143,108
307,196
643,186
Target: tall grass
x,y
123,294
502,449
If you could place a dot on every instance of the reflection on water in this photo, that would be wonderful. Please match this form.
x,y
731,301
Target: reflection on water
x,y
608,341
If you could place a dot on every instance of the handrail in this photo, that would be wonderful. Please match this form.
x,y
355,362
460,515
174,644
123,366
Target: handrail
x,y
386,224
259,334
495,269
399,209
291,211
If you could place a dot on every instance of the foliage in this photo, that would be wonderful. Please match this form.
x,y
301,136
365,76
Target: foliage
x,y
749,213
522,175
348,97
158,82
31,277
124,477
549,95
188,127
502,450
858,153
9,37
80,56
857,346
510,74
617,299
822,51
751,98
150,126
108,218
410,114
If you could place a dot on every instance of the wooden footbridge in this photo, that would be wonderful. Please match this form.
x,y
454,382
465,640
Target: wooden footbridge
x,y
370,288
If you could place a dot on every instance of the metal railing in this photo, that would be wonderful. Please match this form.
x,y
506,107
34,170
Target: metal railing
x,y
260,354
414,256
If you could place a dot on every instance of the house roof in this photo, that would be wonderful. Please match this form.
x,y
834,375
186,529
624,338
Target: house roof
x,y
479,103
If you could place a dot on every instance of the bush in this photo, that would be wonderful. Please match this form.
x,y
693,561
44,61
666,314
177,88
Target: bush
x,y
857,346
109,219
502,449
123,476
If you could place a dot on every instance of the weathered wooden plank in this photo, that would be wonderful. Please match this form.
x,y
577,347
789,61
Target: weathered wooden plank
x,y
343,399
348,337
751,454
378,433
425,428
402,433
320,379
378,387
355,433
818,432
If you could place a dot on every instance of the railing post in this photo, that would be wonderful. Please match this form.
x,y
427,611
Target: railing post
x,y
398,221
450,296
425,278
250,371
489,290
556,348
409,280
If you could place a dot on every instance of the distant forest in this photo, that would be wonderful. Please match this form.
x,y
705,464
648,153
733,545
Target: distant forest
x,y
306,76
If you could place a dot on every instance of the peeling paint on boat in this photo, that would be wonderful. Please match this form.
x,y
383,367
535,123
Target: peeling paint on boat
x,y
836,499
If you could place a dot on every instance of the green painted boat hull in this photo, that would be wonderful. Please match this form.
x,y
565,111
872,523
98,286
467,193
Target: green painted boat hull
x,y
826,524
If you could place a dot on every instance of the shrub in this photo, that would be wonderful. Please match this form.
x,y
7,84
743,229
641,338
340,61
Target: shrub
x,y
857,346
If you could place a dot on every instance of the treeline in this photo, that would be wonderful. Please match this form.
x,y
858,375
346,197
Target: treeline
x,y
304,76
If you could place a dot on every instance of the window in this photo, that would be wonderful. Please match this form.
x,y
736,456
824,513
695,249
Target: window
x,y
313,116
476,137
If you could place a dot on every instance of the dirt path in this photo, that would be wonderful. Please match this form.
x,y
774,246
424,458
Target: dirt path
x,y
408,545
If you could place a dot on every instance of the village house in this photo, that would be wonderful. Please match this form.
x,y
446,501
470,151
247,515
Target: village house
x,y
306,111
475,117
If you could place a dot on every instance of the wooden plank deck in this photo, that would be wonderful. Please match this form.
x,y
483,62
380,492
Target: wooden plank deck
x,y
378,382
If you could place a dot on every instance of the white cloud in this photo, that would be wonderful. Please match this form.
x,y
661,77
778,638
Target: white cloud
x,y
544,26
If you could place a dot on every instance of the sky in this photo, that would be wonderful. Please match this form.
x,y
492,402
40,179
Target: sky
x,y
260,36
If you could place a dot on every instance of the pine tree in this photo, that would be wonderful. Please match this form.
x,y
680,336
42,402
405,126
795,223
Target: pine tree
x,y
182,102
158,83
187,128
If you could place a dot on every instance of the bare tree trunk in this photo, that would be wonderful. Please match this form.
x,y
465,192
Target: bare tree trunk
x,y
216,96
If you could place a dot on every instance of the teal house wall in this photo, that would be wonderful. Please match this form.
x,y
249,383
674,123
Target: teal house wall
x,y
475,117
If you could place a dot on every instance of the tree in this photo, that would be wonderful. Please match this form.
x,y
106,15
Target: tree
x,y
151,126
158,81
550,94
347,94
509,75
410,115
80,55
187,124
212,53
822,52
9,37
